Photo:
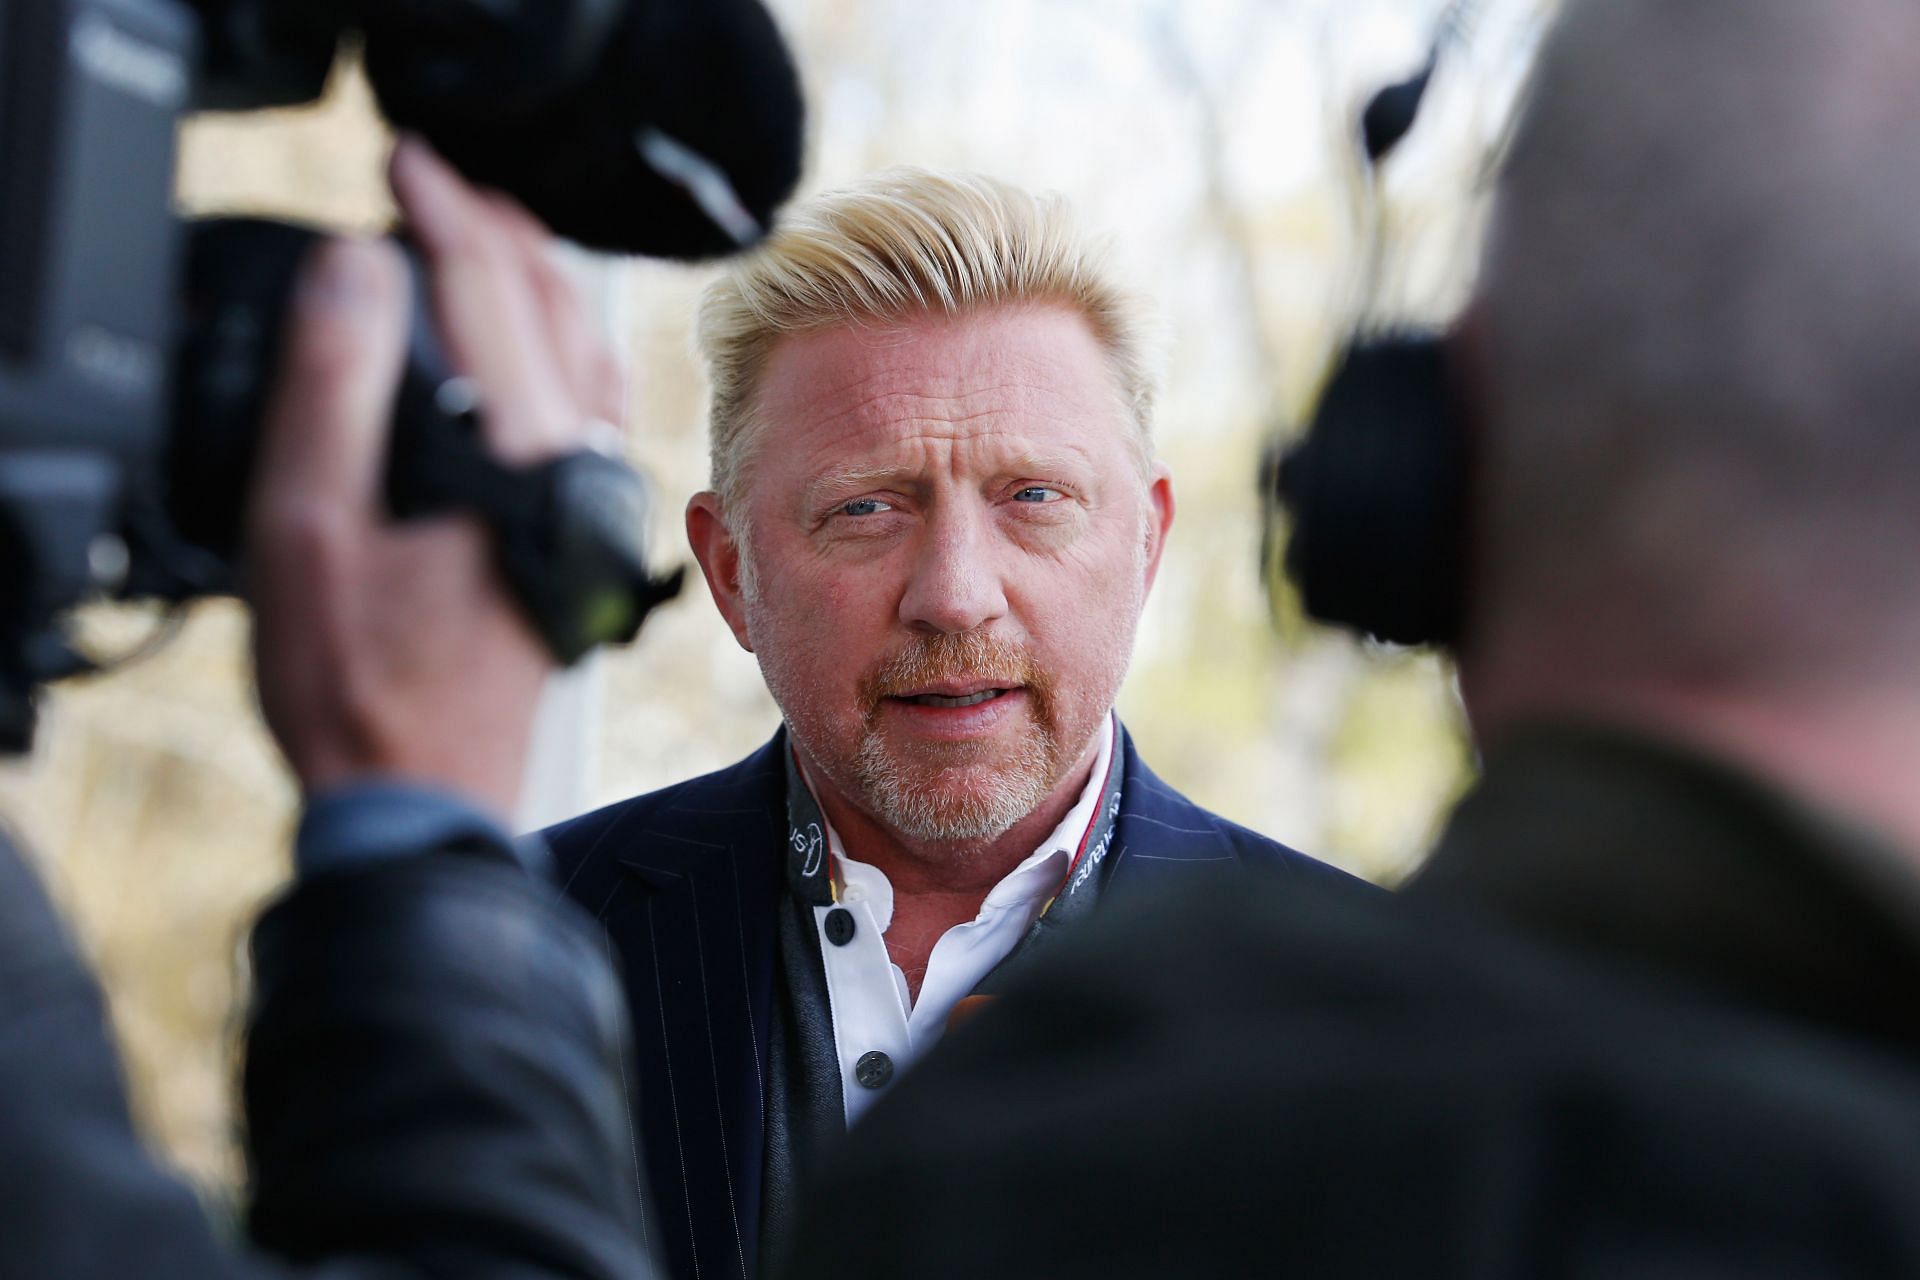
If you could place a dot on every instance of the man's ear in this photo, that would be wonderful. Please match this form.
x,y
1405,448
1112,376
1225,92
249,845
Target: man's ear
x,y
1159,519
719,556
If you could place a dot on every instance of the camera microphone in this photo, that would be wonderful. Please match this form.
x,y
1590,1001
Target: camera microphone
x,y
680,143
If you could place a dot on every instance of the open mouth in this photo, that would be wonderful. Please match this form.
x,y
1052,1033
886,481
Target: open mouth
x,y
954,700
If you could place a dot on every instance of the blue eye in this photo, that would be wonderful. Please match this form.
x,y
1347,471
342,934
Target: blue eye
x,y
1038,493
864,507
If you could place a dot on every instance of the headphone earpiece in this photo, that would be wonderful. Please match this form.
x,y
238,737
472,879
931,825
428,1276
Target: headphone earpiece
x,y
1376,491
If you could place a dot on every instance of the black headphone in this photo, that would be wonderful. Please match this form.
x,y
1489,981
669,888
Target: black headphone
x,y
1376,489
1377,495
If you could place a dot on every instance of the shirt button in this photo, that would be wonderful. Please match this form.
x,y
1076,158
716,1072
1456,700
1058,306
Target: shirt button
x,y
873,1070
839,926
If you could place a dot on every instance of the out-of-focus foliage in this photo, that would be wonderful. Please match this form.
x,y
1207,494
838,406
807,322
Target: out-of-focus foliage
x,y
1212,139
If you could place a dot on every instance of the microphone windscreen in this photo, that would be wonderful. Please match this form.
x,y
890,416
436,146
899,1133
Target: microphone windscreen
x,y
681,144
1390,113
1377,493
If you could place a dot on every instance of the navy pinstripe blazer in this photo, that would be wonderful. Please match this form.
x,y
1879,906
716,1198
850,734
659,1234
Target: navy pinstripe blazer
x,y
687,882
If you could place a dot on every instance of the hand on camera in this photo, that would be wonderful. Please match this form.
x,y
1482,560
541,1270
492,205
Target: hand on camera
x,y
394,650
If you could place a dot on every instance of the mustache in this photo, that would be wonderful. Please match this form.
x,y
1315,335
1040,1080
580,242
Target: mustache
x,y
965,655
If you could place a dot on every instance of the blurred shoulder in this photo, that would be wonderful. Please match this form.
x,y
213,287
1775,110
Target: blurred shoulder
x,y
1270,1069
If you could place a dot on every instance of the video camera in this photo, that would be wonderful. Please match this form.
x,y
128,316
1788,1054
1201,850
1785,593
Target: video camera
x,y
136,349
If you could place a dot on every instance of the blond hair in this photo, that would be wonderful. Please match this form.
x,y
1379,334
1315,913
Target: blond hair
x,y
900,243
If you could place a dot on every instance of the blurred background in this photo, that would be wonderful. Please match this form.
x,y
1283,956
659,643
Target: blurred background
x,y
1214,142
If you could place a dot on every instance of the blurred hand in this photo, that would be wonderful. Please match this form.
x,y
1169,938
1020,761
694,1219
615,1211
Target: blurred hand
x,y
390,649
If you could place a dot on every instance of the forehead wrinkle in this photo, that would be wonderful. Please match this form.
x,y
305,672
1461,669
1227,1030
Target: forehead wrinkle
x,y
887,412
893,408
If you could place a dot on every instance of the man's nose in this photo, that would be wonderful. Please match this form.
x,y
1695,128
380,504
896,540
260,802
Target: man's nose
x,y
956,582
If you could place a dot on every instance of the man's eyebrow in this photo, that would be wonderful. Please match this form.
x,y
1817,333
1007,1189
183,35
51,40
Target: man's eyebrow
x,y
843,479
852,479
1044,464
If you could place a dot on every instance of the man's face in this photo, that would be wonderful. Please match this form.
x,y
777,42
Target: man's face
x,y
951,542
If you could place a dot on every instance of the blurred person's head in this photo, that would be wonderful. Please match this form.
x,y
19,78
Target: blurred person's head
x,y
935,512
1697,353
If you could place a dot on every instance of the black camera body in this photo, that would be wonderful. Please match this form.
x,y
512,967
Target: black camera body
x,y
136,349
90,95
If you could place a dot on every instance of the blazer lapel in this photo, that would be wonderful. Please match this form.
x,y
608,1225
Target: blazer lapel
x,y
1161,838
693,919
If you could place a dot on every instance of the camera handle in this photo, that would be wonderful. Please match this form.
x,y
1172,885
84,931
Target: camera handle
x,y
569,533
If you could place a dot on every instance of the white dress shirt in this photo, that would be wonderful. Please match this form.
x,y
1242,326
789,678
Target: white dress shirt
x,y
878,1029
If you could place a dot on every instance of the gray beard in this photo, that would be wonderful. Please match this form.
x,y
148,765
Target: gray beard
x,y
921,807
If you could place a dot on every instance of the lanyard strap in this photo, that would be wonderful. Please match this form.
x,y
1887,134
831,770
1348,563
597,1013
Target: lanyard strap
x,y
1084,879
809,861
